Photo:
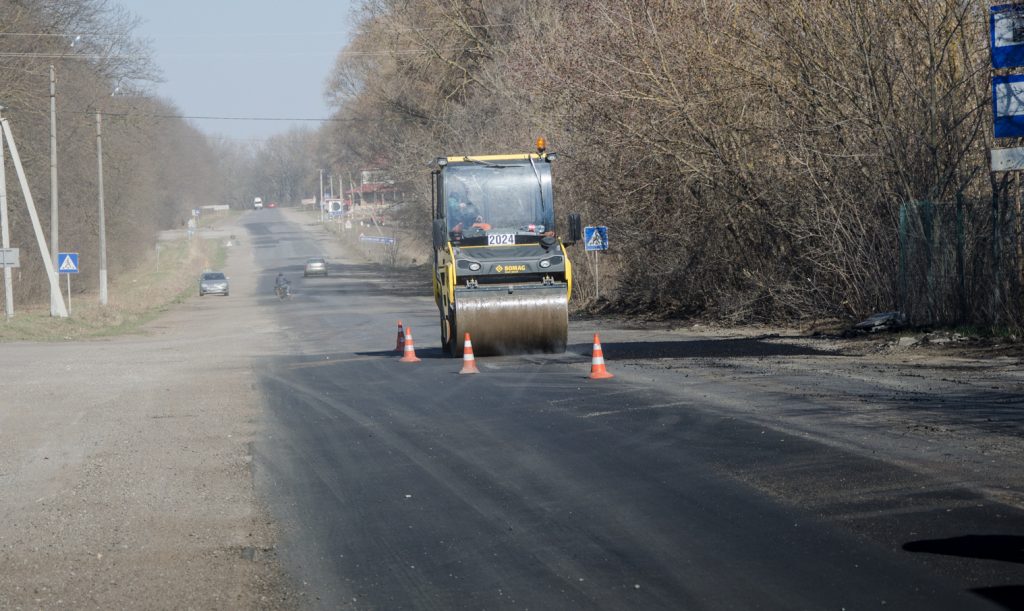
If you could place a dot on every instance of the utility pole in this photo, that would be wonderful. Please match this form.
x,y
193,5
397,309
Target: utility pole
x,y
37,227
54,223
321,195
5,234
103,221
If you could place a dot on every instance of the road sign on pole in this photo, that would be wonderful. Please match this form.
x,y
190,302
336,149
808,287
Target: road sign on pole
x,y
1006,35
1008,159
37,227
67,262
374,239
9,257
595,238
1008,105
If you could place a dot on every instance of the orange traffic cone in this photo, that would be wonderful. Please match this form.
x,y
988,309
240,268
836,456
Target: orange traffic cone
x,y
400,341
597,369
468,362
410,351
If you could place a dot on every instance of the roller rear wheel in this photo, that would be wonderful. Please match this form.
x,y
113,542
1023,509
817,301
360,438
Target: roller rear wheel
x,y
446,335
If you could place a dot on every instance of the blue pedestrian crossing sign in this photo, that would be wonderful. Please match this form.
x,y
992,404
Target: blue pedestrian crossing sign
x,y
595,238
67,262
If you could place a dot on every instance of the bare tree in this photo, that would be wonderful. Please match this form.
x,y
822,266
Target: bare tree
x,y
752,157
156,167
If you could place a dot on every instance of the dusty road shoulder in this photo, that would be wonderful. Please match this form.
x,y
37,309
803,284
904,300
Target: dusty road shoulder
x,y
126,465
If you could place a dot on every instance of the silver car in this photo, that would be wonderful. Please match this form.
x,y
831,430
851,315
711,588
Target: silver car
x,y
213,282
315,266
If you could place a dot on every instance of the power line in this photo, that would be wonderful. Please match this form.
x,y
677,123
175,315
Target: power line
x,y
43,55
52,35
217,36
232,139
40,55
221,35
212,118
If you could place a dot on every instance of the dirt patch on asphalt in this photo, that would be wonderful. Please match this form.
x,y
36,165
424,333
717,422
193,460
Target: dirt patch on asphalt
x,y
952,410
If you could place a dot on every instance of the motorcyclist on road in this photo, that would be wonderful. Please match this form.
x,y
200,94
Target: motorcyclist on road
x,y
281,283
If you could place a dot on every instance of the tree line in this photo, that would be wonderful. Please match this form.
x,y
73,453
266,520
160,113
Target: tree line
x,y
754,160
156,167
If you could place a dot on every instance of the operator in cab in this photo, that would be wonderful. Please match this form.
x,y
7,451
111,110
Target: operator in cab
x,y
465,214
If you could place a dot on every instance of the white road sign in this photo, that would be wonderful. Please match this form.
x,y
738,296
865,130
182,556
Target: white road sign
x,y
9,257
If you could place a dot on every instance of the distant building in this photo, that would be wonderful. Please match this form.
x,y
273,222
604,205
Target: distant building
x,y
375,188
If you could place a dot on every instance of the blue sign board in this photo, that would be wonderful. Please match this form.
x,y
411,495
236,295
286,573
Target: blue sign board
x,y
67,262
595,238
374,239
1008,105
1006,35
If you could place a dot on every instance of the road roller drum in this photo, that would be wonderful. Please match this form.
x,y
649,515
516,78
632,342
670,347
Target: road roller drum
x,y
512,320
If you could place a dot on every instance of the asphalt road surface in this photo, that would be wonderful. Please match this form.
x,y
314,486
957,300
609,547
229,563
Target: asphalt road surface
x,y
405,485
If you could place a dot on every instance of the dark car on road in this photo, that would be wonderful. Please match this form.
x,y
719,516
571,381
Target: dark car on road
x,y
315,266
213,282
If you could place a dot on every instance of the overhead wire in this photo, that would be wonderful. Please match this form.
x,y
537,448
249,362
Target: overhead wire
x,y
212,117
94,56
221,35
41,55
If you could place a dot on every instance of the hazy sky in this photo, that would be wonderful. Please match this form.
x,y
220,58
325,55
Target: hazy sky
x,y
245,58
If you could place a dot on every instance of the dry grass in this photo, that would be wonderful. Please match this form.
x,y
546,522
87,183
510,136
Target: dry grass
x,y
134,298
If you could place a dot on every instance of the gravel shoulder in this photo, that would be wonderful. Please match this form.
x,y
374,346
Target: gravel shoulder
x,y
126,465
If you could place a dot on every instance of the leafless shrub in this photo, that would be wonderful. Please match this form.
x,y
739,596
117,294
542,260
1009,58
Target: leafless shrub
x,y
750,157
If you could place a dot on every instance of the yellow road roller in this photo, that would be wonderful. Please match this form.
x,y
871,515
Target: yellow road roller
x,y
501,273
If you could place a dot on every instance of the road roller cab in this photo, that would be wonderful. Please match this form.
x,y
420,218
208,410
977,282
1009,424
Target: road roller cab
x,y
501,272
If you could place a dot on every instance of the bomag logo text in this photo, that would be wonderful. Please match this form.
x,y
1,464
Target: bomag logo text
x,y
509,269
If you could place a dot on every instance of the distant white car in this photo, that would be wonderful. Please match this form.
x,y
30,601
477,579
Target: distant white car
x,y
315,266
213,282
257,203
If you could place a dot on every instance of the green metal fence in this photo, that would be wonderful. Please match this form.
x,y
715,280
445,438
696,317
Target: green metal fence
x,y
961,262
933,288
